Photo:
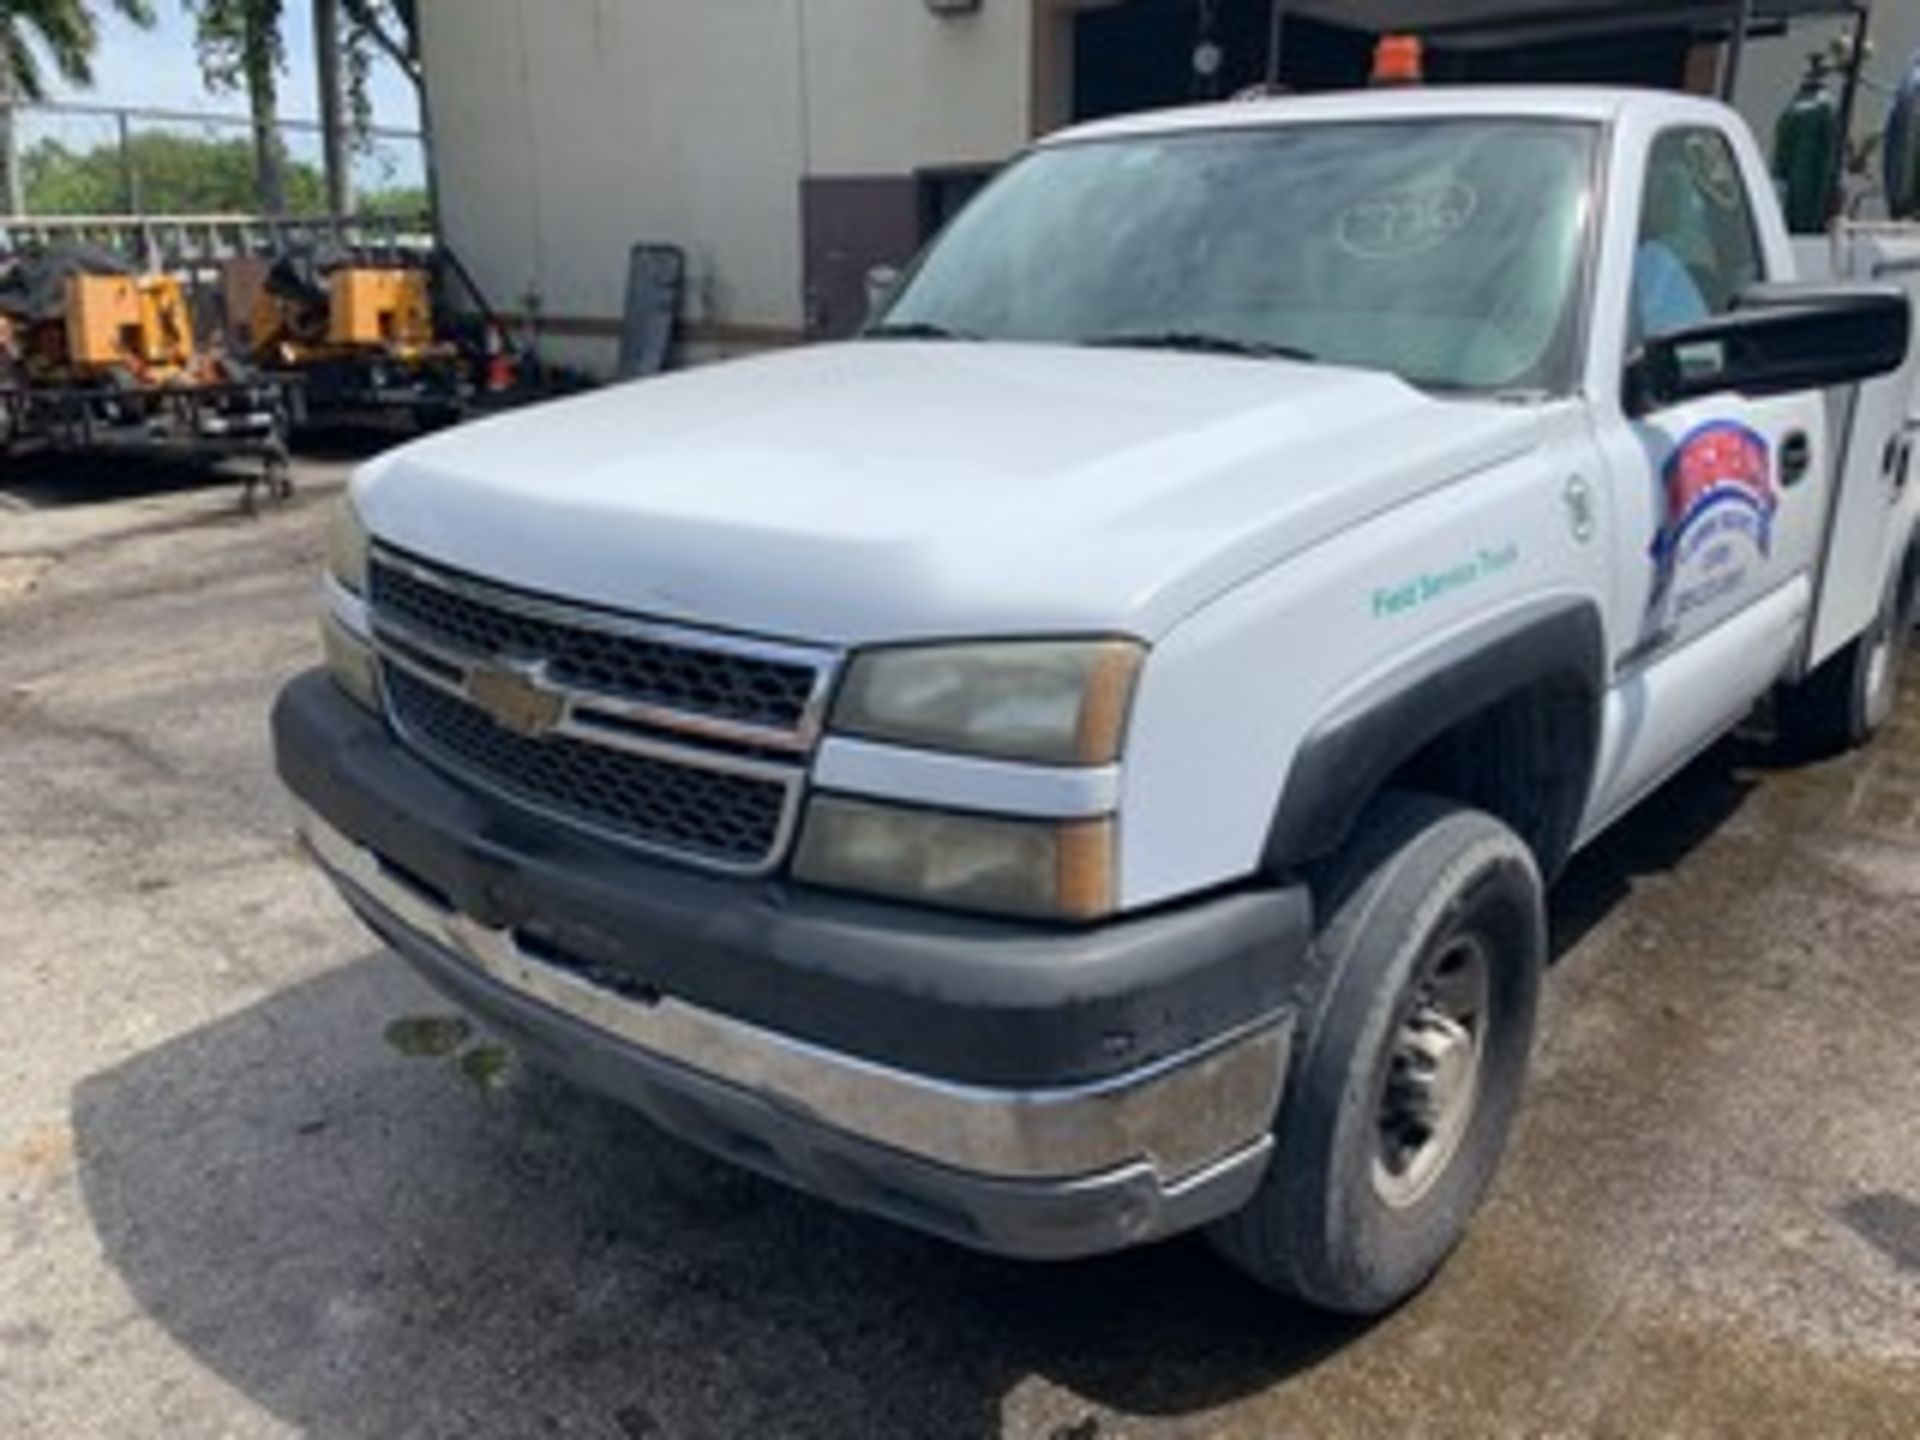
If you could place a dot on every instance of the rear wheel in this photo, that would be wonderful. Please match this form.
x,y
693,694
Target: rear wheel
x,y
1844,703
1409,1070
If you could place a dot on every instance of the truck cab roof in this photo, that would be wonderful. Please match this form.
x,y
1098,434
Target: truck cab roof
x,y
1594,104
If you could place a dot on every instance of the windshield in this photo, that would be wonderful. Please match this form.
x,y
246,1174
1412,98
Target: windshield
x,y
1447,252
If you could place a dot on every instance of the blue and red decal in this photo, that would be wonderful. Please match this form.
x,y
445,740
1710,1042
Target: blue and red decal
x,y
1719,500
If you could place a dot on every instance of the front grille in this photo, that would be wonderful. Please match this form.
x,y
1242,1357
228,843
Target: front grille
x,y
602,654
684,742
711,815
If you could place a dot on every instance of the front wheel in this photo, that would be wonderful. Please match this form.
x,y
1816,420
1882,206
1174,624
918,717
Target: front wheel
x,y
1409,1069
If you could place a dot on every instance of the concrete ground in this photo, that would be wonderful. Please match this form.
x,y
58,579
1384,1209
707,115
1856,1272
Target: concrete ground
x,y
237,1199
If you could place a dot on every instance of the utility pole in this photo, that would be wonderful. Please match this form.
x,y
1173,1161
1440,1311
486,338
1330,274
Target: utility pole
x,y
14,184
129,167
1736,49
333,137
1276,33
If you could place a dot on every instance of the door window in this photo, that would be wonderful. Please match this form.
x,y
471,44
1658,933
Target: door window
x,y
1697,248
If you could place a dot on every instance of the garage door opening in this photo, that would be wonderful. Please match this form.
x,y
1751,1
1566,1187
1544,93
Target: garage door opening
x,y
1151,53
1143,54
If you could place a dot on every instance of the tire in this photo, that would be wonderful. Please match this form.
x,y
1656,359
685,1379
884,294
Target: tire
x,y
1845,703
1352,1216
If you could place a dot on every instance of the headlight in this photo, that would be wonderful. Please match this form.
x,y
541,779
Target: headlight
x,y
347,547
350,661
1057,702
1051,869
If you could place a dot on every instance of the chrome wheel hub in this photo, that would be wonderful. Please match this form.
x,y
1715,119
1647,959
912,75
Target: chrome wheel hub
x,y
1880,679
1433,1075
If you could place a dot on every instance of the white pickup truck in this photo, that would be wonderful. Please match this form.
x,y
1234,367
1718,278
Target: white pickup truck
x,y
1083,761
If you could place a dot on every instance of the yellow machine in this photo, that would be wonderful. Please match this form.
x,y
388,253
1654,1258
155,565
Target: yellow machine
x,y
136,323
388,308
384,309
352,336
96,357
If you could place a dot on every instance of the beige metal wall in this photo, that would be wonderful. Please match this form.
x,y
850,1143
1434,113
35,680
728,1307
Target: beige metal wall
x,y
565,130
891,89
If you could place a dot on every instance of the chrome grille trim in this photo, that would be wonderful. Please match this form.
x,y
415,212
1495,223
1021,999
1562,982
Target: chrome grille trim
x,y
792,780
576,724
760,753
823,662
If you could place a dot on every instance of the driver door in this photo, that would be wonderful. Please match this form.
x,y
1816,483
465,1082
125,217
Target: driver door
x,y
1720,499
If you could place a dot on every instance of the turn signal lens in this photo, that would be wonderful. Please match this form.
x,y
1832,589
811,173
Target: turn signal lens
x,y
351,662
1041,869
347,547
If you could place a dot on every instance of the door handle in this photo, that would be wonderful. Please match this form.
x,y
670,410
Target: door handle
x,y
1796,458
1897,464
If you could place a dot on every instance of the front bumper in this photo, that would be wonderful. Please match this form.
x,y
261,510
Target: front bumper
x,y
1135,1100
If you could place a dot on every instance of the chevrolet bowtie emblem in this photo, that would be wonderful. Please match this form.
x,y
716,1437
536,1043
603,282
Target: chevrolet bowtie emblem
x,y
515,697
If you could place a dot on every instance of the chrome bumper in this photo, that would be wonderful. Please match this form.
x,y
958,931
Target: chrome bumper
x,y
1171,1144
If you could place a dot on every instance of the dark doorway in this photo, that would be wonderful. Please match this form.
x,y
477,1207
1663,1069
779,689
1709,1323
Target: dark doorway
x,y
944,193
1653,58
1144,54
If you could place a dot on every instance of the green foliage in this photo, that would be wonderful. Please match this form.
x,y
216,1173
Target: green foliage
x,y
180,175
61,30
403,202
240,45
370,28
390,25
241,49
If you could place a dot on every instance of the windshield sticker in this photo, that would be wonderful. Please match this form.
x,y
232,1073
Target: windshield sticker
x,y
1401,223
1431,585
1712,166
1719,504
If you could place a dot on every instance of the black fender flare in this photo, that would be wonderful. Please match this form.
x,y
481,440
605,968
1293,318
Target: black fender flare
x,y
1558,644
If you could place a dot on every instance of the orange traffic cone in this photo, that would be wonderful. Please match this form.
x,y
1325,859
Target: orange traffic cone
x,y
500,369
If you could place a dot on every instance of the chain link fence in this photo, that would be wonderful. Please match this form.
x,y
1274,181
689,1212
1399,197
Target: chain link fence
x,y
69,159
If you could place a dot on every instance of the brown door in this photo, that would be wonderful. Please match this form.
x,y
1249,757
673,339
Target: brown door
x,y
850,226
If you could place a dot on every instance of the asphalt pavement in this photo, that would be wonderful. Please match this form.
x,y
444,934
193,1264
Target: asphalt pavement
x,y
253,1182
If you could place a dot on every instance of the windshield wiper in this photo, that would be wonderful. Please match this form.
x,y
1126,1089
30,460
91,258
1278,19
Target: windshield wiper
x,y
915,330
1201,342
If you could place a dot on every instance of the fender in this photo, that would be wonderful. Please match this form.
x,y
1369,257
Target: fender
x,y
1555,647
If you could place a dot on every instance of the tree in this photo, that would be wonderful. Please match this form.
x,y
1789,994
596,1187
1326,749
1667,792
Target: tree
x,y
65,32
179,175
392,26
241,49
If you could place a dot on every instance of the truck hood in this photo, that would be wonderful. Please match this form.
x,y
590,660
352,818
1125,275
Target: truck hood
x,y
901,490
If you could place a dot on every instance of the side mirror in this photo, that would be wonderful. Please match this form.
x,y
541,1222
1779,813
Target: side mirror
x,y
1777,339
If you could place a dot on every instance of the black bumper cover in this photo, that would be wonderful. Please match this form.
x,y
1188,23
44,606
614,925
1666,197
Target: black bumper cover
x,y
950,997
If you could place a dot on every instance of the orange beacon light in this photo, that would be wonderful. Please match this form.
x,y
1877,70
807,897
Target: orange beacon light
x,y
1399,60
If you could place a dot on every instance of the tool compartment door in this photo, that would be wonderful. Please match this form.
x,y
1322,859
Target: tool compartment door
x,y
1877,493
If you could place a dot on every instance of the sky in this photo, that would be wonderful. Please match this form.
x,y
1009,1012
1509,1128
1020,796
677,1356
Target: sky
x,y
157,67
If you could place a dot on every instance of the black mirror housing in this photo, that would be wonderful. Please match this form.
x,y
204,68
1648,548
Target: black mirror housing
x,y
1777,339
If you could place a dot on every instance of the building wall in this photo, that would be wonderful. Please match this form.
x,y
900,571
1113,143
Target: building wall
x,y
891,89
566,130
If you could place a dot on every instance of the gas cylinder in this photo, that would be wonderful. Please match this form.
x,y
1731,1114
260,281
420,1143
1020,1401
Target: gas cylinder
x,y
1901,162
1806,151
